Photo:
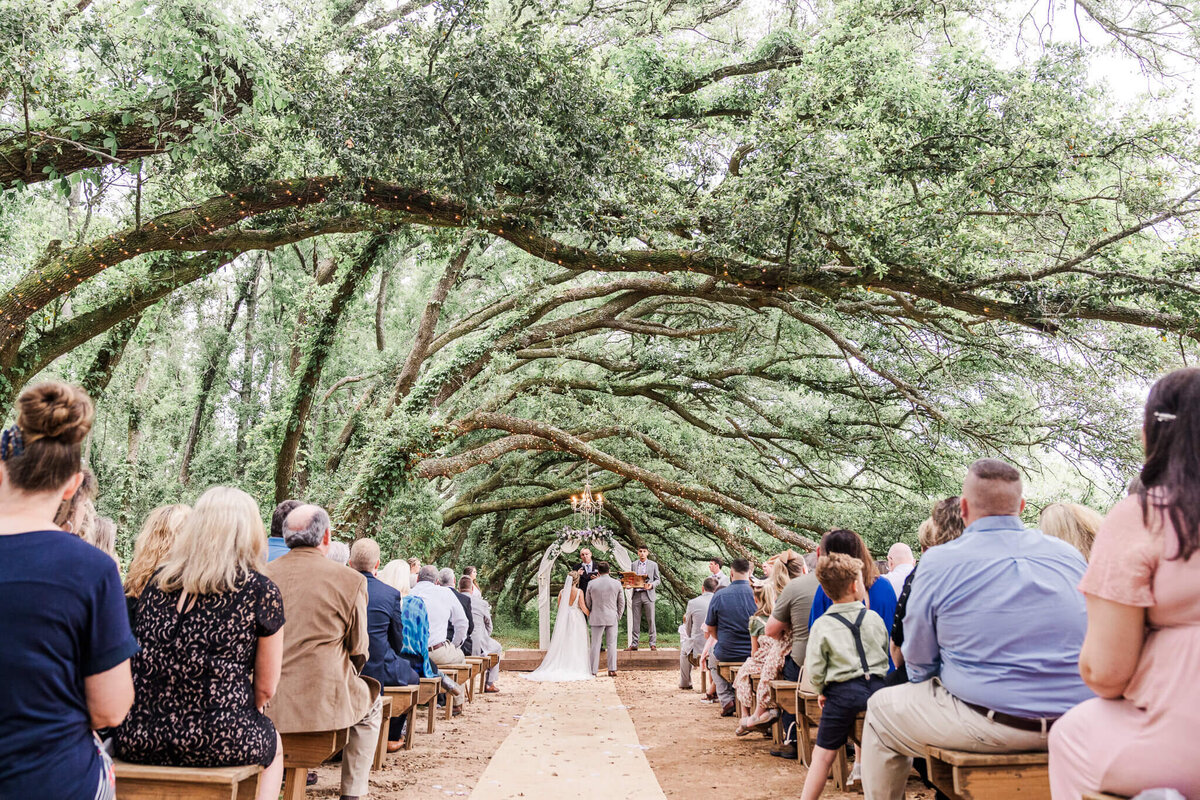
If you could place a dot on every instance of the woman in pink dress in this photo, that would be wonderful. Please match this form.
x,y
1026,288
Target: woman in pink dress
x,y
1142,650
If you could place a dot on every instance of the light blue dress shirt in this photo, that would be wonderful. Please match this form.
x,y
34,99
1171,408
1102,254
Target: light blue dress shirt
x,y
995,614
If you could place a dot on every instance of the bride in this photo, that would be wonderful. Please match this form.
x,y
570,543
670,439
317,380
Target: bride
x,y
568,656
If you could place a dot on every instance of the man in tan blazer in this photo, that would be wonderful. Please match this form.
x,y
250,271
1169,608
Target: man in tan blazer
x,y
325,647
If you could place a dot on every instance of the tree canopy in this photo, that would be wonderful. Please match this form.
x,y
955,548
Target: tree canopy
x,y
764,266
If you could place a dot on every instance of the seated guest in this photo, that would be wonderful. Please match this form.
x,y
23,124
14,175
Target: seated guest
x,y
1141,654
900,563
691,632
944,525
714,571
153,544
414,568
416,619
76,513
104,538
276,546
482,643
325,647
789,623
339,553
446,578
1074,524
64,662
846,662
473,574
766,656
728,622
210,625
445,614
881,598
992,636
385,628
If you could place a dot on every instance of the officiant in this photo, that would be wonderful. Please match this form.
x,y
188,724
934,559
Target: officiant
x,y
586,569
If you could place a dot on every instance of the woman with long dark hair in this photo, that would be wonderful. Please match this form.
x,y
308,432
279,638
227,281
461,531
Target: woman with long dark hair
x,y
1141,654
881,597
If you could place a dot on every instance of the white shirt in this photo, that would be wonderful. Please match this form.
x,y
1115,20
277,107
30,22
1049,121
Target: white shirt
x,y
443,608
722,578
898,575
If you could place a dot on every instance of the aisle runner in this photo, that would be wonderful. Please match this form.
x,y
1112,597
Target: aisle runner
x,y
575,740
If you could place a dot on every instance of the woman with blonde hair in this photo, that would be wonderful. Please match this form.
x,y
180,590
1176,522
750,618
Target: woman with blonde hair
x,y
414,616
154,543
1074,524
211,628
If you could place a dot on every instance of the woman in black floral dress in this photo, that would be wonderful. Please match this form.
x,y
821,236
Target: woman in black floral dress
x,y
211,630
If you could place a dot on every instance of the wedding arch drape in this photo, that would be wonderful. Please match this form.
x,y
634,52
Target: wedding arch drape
x,y
546,567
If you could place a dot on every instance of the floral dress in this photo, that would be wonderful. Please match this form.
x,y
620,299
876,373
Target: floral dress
x,y
193,681
766,663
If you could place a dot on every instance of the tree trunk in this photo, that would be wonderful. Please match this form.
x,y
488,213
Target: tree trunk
x,y
310,371
209,377
380,302
108,357
246,400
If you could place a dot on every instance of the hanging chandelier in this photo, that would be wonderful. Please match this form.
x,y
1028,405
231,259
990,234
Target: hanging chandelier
x,y
587,507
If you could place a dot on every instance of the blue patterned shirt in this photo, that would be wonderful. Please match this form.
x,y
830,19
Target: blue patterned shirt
x,y
416,635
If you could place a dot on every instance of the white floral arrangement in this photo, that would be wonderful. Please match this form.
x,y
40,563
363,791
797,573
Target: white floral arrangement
x,y
599,537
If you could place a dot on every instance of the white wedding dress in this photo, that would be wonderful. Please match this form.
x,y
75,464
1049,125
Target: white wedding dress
x,y
569,654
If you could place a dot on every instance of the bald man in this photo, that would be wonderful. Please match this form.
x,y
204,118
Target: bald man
x,y
900,563
991,640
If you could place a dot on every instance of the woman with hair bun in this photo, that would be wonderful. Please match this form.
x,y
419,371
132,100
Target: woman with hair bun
x,y
1141,654
64,663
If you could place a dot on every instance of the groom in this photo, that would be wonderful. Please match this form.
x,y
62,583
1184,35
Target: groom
x,y
606,599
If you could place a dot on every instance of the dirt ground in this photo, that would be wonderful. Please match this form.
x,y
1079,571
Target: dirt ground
x,y
691,749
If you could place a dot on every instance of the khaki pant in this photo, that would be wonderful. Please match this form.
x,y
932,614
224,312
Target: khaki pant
x,y
903,720
359,754
449,653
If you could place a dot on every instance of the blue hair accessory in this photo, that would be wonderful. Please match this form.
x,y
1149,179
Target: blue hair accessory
x,y
12,443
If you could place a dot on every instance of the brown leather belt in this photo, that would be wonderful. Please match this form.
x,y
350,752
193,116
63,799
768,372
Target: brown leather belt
x,y
436,646
1039,725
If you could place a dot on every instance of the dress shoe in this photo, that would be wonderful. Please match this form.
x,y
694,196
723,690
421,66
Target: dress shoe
x,y
612,673
728,709
310,779
653,647
457,712
787,751
491,689
631,649
685,688
395,747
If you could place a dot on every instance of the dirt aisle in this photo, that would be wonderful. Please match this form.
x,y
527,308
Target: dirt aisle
x,y
575,740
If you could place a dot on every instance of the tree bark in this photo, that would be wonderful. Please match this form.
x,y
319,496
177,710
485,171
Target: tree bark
x,y
108,357
314,362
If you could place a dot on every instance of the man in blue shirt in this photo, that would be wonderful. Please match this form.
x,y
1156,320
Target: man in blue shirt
x,y
992,637
728,620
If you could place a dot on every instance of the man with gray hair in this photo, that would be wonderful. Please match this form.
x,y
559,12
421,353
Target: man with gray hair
x,y
447,622
446,578
900,563
991,640
325,647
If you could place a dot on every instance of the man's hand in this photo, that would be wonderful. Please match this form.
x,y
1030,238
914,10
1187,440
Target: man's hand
x,y
821,702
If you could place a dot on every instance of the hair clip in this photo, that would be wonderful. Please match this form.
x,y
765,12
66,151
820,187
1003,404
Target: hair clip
x,y
12,443
1163,416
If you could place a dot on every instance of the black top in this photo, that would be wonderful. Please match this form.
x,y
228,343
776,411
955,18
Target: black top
x,y
465,601
193,681
900,674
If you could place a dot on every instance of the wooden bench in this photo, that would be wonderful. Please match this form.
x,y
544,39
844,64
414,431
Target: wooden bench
x,y
461,673
144,782
305,751
493,659
989,776
807,719
1103,796
427,696
477,669
404,704
783,694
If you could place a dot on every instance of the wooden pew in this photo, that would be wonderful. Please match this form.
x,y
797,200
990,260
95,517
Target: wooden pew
x,y
404,704
427,696
1103,796
477,668
461,673
144,782
989,776
305,751
783,694
493,659
385,716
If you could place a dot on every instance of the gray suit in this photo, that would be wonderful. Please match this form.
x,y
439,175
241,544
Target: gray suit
x,y
606,604
644,599
691,636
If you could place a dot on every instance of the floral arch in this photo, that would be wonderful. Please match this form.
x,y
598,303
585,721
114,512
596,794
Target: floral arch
x,y
568,541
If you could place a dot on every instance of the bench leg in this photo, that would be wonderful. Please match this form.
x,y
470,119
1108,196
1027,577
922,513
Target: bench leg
x,y
410,722
804,740
841,770
432,715
381,748
703,681
449,706
483,680
248,789
294,783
